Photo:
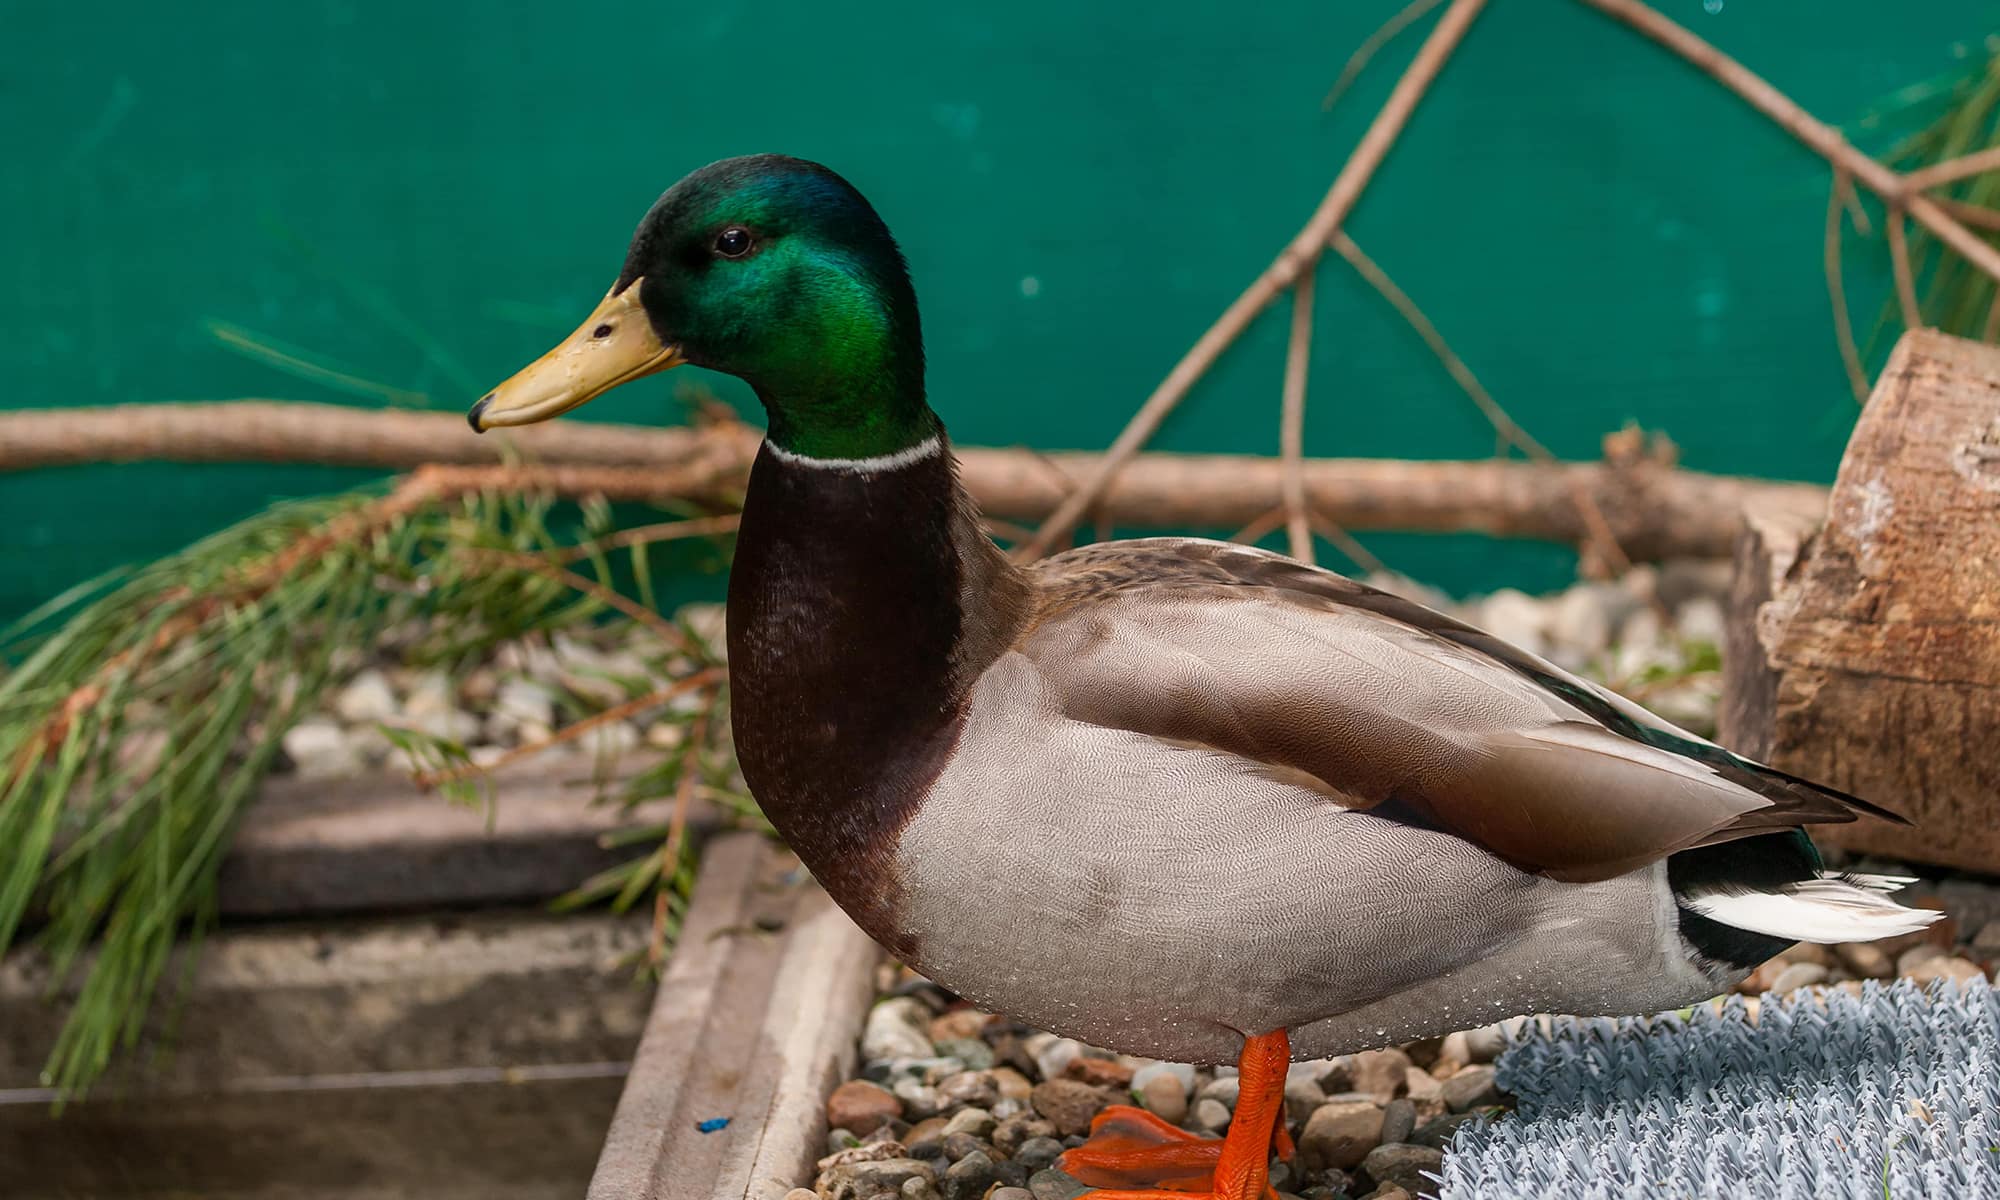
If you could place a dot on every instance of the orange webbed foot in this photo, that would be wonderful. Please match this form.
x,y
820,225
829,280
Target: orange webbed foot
x,y
1131,1150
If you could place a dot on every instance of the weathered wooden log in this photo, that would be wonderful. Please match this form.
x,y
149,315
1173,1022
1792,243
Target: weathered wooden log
x,y
1654,510
1864,651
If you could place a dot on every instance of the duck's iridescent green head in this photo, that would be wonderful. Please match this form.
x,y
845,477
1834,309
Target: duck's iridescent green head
x,y
768,268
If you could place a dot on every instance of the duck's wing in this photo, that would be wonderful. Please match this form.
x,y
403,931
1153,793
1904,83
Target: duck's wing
x,y
1382,704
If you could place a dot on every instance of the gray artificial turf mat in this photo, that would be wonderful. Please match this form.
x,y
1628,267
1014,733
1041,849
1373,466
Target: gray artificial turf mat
x,y
1894,1092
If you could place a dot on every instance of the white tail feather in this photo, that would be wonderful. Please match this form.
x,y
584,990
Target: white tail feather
x,y
1877,883
1832,908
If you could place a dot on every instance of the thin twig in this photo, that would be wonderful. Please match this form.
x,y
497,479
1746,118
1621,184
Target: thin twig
x,y
1610,555
1822,138
617,712
670,849
1332,210
1292,420
1260,528
1505,425
1899,264
666,531
551,569
1952,170
1836,290
995,527
1857,212
1358,61
1345,542
1972,214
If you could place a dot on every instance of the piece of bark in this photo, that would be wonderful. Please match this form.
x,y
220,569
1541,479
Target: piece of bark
x,y
1865,654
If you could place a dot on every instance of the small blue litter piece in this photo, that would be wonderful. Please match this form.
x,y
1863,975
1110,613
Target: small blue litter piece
x,y
1827,1096
712,1125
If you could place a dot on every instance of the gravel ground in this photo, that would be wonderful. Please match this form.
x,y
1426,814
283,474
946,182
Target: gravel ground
x,y
954,1103
519,695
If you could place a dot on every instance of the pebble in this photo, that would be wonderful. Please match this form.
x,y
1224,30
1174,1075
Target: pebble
x,y
877,1180
1012,1084
974,1122
1069,1104
1485,1043
1054,1185
1946,967
897,1028
1473,1087
961,1145
1797,975
1380,1073
1039,1153
1399,1120
919,1100
1866,959
925,1139
1302,1098
608,740
1006,1193
1436,1133
1584,619
1987,940
321,750
1212,1115
861,1107
1403,1164
367,697
523,702
969,1177
1916,956
974,1089
1223,1091
1514,616
1181,1072
974,1053
1099,1072
1163,1095
801,1194
1053,1057
1340,1135
919,1189
957,1024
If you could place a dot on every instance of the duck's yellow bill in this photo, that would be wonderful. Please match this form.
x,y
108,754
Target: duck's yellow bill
x,y
614,345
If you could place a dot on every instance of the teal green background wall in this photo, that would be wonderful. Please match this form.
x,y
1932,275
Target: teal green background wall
x,y
426,195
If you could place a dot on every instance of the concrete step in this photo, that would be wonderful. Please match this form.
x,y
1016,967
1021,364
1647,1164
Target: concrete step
x,y
476,1055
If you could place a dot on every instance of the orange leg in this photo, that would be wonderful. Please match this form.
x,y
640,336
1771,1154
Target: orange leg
x,y
1130,1149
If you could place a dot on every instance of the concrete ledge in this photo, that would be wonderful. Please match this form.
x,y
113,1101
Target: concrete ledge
x,y
501,990
377,843
458,1058
755,1021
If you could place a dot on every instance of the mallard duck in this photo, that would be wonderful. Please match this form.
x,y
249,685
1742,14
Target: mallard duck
x,y
1175,797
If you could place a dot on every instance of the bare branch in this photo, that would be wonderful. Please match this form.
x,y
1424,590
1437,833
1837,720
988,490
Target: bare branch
x,y
1292,420
1836,290
1302,249
1899,264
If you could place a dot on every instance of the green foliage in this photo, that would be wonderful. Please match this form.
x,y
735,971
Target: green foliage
x,y
1954,115
141,712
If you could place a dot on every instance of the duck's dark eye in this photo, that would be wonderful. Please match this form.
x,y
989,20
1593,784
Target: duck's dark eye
x,y
733,242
